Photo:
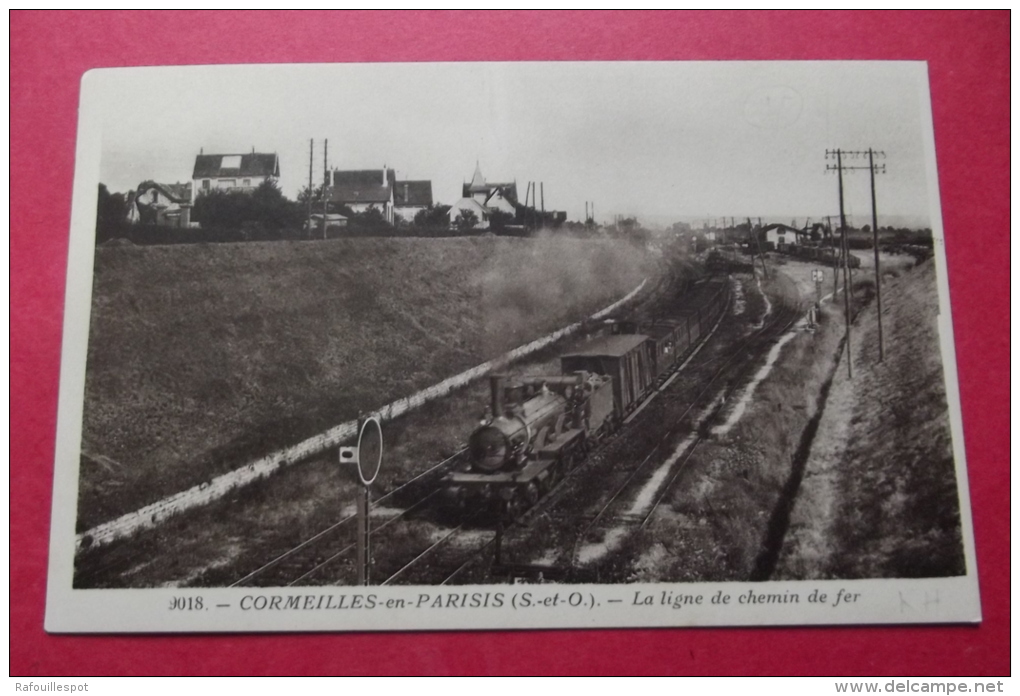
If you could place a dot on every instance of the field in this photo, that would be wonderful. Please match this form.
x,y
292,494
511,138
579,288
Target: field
x,y
204,356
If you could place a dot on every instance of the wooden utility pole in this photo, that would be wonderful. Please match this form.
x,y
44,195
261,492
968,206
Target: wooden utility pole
x,y
311,153
874,244
835,257
846,291
757,239
325,183
534,204
872,170
541,186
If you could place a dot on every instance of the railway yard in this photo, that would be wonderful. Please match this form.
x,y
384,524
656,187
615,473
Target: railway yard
x,y
698,480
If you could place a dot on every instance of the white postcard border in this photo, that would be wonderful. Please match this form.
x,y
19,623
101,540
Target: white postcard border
x,y
525,606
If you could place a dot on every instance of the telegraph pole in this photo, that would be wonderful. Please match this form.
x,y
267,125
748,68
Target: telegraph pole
x,y
835,257
846,288
311,153
846,264
325,183
757,239
872,170
874,244
541,188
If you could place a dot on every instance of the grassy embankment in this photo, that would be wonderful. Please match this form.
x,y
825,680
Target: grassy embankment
x,y
879,498
202,357
728,510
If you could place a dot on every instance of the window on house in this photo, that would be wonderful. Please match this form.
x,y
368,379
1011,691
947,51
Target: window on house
x,y
246,183
230,162
205,184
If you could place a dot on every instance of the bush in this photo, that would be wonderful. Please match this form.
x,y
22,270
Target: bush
x,y
111,208
159,234
466,221
266,206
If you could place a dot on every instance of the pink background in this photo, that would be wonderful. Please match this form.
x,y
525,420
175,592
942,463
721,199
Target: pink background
x,y
968,56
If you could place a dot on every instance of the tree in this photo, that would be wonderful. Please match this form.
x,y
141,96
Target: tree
x,y
316,196
433,217
499,219
265,207
220,208
271,209
371,221
628,225
467,220
111,208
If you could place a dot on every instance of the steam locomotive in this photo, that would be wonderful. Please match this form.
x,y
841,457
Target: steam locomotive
x,y
538,428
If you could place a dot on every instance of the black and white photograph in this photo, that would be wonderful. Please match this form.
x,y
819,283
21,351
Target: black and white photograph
x,y
508,345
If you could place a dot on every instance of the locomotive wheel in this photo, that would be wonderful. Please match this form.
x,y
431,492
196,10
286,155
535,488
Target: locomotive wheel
x,y
531,495
545,485
514,508
522,501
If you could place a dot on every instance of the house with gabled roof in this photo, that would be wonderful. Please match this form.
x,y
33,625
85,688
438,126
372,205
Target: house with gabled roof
x,y
153,203
483,197
410,198
233,172
362,189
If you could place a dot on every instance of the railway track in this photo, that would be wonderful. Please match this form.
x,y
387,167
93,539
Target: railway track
x,y
452,552
327,555
311,556
450,561
449,554
586,513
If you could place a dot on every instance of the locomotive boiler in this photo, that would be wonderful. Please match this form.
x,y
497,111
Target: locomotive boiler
x,y
536,429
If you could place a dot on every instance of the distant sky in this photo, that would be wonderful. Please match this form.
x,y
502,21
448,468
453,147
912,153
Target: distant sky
x,y
660,141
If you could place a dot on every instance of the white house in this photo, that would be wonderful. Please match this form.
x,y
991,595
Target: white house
x,y
781,235
483,197
362,189
227,172
411,197
161,204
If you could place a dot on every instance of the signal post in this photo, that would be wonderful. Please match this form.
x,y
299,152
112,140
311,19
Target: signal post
x,y
367,458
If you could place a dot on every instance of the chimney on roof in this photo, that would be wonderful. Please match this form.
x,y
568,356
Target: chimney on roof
x,y
201,150
384,175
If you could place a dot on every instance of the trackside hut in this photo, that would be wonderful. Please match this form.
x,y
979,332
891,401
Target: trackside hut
x,y
779,236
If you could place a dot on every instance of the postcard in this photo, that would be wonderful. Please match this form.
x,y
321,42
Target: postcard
x,y
507,346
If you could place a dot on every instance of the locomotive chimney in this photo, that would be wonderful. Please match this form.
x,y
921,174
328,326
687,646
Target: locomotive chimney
x,y
498,384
